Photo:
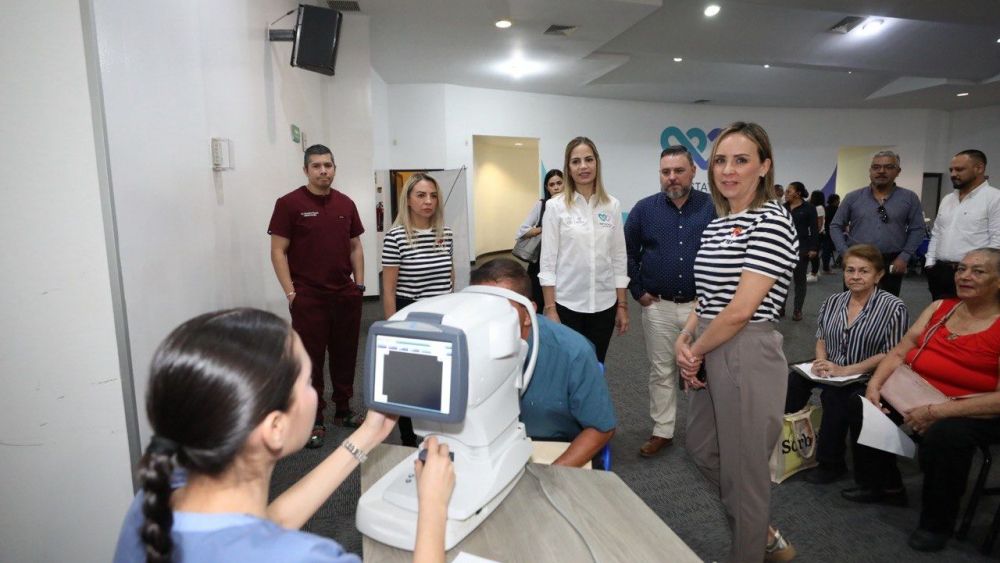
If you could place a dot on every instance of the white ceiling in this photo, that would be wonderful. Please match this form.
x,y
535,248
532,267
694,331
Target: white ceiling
x,y
927,52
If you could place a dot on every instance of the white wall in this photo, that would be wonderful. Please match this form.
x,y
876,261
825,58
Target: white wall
x,y
380,123
506,177
175,75
64,460
976,129
627,134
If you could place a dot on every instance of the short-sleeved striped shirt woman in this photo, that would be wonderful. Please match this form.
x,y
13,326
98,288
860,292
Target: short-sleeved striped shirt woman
x,y
425,264
879,326
760,240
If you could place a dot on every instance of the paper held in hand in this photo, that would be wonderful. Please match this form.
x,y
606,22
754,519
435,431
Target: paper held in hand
x,y
879,432
805,370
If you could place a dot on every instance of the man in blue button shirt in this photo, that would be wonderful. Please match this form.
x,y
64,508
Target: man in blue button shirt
x,y
662,237
883,215
567,399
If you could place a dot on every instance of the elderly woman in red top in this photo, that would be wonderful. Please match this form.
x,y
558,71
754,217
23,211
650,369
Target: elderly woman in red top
x,y
955,346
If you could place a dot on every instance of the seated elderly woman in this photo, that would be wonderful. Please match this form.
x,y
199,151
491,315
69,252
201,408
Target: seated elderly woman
x,y
955,346
855,330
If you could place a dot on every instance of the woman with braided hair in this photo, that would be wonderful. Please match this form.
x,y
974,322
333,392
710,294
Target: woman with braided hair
x,y
229,395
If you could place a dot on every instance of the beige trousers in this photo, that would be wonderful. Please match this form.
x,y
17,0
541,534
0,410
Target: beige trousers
x,y
733,426
662,322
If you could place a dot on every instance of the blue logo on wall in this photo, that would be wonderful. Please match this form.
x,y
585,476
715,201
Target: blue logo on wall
x,y
695,140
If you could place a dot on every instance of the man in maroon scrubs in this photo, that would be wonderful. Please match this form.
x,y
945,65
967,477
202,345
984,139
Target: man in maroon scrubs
x,y
316,249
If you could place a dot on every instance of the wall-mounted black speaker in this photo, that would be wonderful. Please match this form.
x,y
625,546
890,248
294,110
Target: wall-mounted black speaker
x,y
317,34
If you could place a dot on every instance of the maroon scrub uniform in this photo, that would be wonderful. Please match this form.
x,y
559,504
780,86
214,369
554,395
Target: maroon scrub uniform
x,y
326,311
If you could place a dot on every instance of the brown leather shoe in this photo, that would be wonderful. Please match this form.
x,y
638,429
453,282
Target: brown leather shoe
x,y
653,445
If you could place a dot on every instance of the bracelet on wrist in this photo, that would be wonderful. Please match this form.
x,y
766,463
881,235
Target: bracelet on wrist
x,y
355,451
686,332
547,307
290,293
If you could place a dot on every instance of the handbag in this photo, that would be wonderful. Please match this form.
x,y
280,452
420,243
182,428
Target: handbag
x,y
906,389
796,447
528,249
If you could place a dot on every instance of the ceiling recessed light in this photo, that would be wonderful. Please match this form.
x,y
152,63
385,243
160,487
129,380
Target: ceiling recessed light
x,y
850,72
998,40
767,66
518,144
503,24
872,26
712,10
678,59
961,94
518,67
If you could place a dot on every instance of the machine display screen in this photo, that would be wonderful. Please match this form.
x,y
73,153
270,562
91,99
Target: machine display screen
x,y
413,372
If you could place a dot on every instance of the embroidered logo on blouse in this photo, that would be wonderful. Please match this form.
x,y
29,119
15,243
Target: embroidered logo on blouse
x,y
310,213
732,236
603,219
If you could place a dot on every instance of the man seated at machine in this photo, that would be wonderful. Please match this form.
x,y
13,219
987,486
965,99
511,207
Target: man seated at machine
x,y
567,399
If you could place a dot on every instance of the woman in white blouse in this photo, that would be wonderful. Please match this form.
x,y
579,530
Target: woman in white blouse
x,y
583,266
532,227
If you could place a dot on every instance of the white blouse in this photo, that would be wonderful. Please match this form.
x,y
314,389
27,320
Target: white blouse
x,y
583,252
530,222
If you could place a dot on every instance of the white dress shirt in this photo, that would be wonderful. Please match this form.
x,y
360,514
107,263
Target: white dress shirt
x,y
583,252
962,226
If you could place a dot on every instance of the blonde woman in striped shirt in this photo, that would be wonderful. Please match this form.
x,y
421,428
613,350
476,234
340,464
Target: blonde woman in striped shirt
x,y
742,272
417,257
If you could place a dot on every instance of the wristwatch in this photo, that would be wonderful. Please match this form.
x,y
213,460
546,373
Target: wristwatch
x,y
360,286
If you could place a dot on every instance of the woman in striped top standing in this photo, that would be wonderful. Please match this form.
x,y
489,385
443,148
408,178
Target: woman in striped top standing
x,y
855,330
417,257
742,273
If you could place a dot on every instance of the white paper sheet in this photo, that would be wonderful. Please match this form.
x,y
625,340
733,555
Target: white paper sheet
x,y
879,432
464,557
806,368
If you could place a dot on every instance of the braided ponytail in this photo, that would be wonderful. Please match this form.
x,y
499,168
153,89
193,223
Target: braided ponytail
x,y
154,474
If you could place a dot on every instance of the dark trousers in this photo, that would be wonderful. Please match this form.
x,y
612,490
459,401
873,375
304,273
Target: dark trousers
x,y
827,249
873,469
890,282
536,286
597,327
941,280
329,323
799,282
945,457
406,435
835,424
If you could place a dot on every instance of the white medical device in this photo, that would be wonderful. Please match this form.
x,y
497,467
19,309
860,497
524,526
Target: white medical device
x,y
452,363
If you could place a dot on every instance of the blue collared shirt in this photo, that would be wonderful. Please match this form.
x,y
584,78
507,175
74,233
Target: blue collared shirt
x,y
567,392
902,233
662,240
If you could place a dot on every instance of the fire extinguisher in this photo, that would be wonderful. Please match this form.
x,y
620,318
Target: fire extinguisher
x,y
379,216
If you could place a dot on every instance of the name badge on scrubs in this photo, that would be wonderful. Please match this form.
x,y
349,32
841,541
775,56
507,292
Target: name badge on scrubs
x,y
604,219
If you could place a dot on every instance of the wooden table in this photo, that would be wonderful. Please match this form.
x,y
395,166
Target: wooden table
x,y
525,527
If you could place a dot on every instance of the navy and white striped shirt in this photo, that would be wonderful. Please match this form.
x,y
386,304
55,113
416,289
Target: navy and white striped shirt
x,y
879,326
762,241
424,265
